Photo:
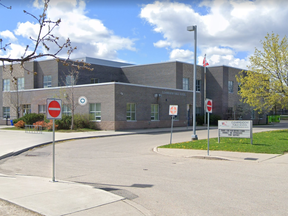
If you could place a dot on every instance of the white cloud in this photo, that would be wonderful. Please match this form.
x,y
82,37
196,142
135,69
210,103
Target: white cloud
x,y
181,55
236,24
14,51
89,35
8,35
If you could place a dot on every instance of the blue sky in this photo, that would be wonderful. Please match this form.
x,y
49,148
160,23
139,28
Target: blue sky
x,y
145,31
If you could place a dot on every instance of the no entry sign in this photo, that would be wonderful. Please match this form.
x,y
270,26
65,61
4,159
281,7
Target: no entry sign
x,y
54,109
208,103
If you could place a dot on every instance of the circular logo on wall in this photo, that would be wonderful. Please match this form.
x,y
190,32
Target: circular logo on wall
x,y
82,100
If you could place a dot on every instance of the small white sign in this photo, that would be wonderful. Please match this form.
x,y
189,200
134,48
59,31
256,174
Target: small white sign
x,y
82,100
173,110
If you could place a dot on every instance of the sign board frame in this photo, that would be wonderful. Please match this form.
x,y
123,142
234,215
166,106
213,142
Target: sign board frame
x,y
235,129
48,102
171,108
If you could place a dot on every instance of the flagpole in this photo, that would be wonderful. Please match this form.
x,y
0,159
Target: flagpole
x,y
205,91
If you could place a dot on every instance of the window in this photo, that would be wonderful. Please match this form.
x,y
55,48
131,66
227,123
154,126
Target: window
x,y
230,86
66,110
239,86
154,112
95,111
69,80
20,83
6,112
198,85
42,109
198,111
94,80
252,114
6,85
26,109
186,83
131,112
47,82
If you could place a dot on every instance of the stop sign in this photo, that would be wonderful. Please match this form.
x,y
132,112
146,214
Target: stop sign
x,y
54,109
208,105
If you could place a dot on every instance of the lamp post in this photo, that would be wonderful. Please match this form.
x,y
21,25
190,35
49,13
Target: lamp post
x,y
194,28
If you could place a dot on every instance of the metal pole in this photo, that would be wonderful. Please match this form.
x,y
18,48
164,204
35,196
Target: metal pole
x,y
194,136
208,134
53,179
204,94
171,128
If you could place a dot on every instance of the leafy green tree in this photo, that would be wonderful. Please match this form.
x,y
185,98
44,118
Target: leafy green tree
x,y
265,84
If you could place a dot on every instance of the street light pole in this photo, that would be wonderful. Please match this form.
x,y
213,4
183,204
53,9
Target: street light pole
x,y
194,28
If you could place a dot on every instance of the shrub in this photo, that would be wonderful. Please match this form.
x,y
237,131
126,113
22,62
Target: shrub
x,y
20,124
200,120
47,125
81,121
214,119
64,123
30,118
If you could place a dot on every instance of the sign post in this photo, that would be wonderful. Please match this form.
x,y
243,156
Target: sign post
x,y
208,104
54,111
173,111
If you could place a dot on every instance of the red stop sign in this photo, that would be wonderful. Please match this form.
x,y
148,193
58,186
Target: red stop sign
x,y
54,109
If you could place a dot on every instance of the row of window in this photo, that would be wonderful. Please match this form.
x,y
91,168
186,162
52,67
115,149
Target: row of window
x,y
186,84
6,84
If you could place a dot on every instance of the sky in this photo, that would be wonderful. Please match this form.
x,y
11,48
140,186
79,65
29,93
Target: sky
x,y
146,31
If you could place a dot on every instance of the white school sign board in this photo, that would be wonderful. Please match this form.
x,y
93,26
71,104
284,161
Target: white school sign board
x,y
236,129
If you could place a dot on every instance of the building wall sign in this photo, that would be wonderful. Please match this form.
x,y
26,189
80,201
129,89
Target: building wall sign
x,y
173,93
236,129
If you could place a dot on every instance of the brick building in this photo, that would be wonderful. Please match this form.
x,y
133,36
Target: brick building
x,y
123,96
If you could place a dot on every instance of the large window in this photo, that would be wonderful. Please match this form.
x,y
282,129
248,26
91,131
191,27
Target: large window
x,y
95,111
131,112
154,112
26,109
186,83
66,110
198,111
20,83
230,86
198,85
47,82
6,112
6,85
42,109
94,80
69,80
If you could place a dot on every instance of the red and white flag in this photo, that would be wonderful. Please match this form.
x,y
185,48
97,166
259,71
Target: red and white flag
x,y
205,63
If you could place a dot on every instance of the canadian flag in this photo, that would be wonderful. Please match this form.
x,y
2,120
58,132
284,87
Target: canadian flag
x,y
205,63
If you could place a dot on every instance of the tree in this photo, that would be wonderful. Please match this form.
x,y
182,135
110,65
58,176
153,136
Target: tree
x,y
44,38
265,84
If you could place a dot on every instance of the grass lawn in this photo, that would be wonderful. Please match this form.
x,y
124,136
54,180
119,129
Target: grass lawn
x,y
271,142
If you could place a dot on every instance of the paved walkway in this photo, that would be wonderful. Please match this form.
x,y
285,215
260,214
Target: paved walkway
x,y
67,198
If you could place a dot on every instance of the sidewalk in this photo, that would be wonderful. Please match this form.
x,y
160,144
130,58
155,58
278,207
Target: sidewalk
x,y
67,198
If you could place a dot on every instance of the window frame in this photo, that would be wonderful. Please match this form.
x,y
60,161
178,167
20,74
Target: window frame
x,y
185,83
6,85
47,83
95,113
154,112
198,85
130,113
4,109
71,81
66,110
20,83
41,108
230,86
94,79
26,107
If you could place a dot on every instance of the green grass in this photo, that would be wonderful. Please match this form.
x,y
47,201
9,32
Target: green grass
x,y
271,142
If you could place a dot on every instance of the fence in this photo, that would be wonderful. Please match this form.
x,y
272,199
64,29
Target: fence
x,y
33,129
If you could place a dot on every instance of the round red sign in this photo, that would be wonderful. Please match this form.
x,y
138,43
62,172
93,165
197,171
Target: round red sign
x,y
54,109
209,106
